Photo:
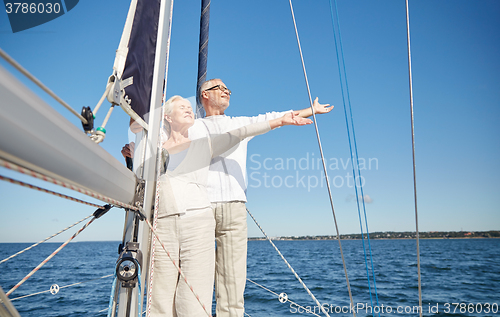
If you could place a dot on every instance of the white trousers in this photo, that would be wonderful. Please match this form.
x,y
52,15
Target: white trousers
x,y
231,258
190,242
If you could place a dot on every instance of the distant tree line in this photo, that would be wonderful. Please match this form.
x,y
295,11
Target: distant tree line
x,y
399,235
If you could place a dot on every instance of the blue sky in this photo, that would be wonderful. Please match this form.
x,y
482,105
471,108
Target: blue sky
x,y
455,49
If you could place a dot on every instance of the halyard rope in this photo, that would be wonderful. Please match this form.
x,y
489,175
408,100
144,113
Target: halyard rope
x,y
153,243
354,154
23,71
156,206
49,257
42,241
288,264
322,157
159,164
49,179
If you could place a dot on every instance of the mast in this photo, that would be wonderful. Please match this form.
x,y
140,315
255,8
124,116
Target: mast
x,y
139,78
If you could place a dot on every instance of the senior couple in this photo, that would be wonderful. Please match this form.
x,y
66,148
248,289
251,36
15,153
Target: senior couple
x,y
202,199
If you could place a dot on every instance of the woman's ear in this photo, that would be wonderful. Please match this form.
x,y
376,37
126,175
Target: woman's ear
x,y
168,119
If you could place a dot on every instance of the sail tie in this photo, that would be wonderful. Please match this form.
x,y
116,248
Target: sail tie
x,y
322,157
353,152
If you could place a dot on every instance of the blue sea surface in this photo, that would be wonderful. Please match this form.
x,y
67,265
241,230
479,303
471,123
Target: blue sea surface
x,y
459,278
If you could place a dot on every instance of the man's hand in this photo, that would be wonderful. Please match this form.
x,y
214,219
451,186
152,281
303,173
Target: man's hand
x,y
320,109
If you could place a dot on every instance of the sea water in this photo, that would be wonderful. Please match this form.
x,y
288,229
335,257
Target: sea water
x,y
459,278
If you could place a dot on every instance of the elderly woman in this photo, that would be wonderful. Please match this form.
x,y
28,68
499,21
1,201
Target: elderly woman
x,y
186,223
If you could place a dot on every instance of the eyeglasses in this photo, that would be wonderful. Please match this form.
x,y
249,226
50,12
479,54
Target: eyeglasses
x,y
221,88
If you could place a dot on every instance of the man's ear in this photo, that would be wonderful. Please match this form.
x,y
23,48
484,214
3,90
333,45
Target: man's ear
x,y
204,94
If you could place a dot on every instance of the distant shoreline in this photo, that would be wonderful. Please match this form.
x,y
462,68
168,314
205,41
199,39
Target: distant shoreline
x,y
396,236
389,235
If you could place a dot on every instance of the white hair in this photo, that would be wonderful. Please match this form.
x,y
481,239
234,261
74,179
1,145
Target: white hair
x,y
168,107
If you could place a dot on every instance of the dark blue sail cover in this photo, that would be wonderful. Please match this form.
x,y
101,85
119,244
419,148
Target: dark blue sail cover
x,y
141,55
202,54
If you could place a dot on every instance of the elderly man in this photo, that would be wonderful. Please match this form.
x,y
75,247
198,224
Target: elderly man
x,y
227,192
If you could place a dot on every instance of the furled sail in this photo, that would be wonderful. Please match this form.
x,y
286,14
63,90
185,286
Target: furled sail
x,y
135,57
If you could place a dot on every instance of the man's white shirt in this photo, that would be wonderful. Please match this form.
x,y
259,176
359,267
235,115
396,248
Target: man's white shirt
x,y
227,177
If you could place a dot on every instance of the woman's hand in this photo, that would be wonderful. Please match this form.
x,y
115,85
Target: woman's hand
x,y
128,150
291,118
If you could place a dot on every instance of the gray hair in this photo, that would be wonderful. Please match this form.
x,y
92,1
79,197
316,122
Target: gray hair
x,y
204,86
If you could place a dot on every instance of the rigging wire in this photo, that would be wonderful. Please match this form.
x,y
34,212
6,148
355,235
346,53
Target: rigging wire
x,y
354,156
289,266
61,287
20,183
23,71
278,295
322,157
42,241
49,257
22,170
413,156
